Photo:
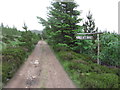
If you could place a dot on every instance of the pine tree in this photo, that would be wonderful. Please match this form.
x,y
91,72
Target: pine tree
x,y
89,25
25,27
61,24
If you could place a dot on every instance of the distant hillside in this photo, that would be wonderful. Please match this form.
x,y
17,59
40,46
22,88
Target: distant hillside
x,y
36,31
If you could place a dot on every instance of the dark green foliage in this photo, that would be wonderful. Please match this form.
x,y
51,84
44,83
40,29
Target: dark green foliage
x,y
61,24
12,58
89,46
61,47
25,27
109,49
94,80
18,46
84,46
110,46
86,67
87,74
29,39
77,56
89,25
67,55
10,31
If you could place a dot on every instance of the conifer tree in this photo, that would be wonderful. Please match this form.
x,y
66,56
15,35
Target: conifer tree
x,y
25,27
61,24
89,25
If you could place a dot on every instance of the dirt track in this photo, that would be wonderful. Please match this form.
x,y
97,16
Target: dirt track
x,y
41,70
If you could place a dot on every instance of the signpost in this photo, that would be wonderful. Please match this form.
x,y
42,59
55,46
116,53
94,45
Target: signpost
x,y
89,38
84,37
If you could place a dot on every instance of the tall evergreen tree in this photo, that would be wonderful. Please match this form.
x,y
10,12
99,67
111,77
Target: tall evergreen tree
x,y
89,25
61,25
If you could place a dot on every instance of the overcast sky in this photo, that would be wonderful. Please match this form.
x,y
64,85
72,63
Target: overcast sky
x,y
16,12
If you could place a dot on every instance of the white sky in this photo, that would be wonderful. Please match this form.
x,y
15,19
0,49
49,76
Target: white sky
x,y
16,12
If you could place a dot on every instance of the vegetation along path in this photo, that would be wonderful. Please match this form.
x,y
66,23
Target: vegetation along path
x,y
41,70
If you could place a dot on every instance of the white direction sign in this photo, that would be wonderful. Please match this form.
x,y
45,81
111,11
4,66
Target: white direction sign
x,y
84,37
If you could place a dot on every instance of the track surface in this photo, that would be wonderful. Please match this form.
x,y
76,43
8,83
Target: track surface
x,y
41,70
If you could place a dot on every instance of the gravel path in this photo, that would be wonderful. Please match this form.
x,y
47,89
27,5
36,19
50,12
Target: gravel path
x,y
41,70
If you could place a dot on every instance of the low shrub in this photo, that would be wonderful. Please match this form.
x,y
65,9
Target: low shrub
x,y
87,74
94,80
110,52
68,55
19,45
61,47
79,67
103,69
12,58
83,66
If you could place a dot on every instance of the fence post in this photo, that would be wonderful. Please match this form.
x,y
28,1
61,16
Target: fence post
x,y
98,53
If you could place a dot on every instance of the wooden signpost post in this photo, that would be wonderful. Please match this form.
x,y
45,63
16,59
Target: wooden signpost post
x,y
89,38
